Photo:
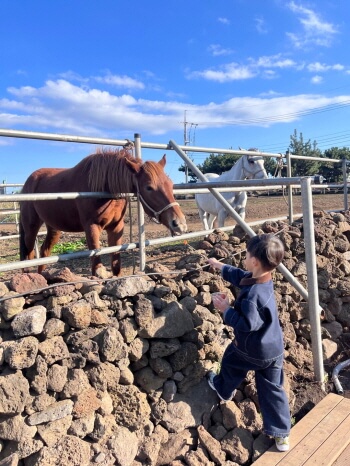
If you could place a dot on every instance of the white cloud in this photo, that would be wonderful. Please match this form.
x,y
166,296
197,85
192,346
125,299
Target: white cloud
x,y
315,30
230,72
269,74
61,106
235,71
265,67
216,50
317,79
318,67
72,76
120,81
273,61
270,93
224,20
260,25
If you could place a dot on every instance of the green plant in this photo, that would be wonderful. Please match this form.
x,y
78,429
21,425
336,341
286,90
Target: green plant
x,y
69,246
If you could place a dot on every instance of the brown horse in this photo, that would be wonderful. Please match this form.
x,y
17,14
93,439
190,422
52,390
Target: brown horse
x,y
112,171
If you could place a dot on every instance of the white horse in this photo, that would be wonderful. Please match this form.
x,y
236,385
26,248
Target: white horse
x,y
247,167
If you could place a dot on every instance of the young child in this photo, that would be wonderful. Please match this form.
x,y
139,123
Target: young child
x,y
258,343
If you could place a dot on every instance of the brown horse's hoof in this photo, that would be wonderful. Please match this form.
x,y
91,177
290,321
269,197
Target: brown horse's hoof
x,y
101,272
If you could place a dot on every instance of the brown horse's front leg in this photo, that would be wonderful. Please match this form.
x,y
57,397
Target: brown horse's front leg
x,y
115,238
93,233
52,238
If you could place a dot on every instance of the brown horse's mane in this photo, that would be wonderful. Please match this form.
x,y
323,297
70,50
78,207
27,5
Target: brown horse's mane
x,y
108,171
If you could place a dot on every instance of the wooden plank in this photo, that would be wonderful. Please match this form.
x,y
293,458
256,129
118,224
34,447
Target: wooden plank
x,y
315,437
272,457
344,458
329,451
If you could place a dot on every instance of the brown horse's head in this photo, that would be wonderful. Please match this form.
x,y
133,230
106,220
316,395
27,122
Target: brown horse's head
x,y
155,190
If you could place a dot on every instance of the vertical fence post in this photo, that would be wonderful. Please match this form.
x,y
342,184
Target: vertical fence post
x,y
345,181
16,206
140,211
290,189
310,257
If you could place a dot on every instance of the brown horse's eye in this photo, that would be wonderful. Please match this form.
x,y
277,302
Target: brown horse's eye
x,y
149,188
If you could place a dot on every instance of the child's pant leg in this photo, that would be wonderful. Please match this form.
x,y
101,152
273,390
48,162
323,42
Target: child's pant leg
x,y
273,399
232,373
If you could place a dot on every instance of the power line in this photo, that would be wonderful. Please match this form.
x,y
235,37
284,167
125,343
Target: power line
x,y
283,116
323,141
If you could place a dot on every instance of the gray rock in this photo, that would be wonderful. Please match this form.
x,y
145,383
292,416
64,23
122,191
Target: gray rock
x,y
53,431
172,322
77,382
29,322
162,348
238,444
52,413
212,446
130,286
169,390
124,446
112,346
148,380
187,410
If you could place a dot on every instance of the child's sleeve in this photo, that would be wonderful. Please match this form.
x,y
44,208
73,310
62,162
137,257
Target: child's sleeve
x,y
233,274
248,319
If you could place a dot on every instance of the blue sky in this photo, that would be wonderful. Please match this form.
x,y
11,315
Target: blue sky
x,y
246,72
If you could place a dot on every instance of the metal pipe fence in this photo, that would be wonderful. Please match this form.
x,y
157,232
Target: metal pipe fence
x,y
215,188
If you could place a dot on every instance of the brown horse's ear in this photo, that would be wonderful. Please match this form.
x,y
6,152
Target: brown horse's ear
x,y
134,166
162,161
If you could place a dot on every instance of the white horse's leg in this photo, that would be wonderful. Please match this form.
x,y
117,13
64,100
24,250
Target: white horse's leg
x,y
241,203
204,218
211,221
241,212
222,216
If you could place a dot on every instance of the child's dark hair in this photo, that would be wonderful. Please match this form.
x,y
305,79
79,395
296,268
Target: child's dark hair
x,y
268,249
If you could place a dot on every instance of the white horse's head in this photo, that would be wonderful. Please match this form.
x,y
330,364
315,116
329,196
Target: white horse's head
x,y
253,167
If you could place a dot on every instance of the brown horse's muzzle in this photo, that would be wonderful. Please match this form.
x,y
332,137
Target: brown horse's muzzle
x,y
179,226
175,221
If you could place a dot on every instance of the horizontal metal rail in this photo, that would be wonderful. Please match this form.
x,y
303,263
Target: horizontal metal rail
x,y
62,196
8,212
124,247
145,145
179,188
237,185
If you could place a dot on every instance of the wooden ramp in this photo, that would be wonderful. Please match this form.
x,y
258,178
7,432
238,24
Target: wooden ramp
x,y
320,438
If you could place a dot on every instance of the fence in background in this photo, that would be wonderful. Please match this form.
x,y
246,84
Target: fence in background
x,y
304,183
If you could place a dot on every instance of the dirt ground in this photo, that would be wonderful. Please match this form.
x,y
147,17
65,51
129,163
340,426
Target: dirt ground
x,y
258,208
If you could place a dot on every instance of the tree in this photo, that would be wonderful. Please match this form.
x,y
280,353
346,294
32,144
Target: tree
x,y
333,172
191,175
300,147
219,163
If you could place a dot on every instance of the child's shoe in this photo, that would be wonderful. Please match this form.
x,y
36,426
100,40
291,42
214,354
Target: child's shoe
x,y
210,378
282,443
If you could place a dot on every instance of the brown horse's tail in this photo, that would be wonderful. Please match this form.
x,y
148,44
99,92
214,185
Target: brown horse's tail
x,y
23,251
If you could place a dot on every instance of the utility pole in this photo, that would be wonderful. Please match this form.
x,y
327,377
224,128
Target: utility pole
x,y
186,141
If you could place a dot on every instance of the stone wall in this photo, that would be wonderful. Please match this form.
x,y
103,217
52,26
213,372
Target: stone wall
x,y
114,373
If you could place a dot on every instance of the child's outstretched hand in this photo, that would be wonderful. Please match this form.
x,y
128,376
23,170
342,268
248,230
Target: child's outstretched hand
x,y
215,263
